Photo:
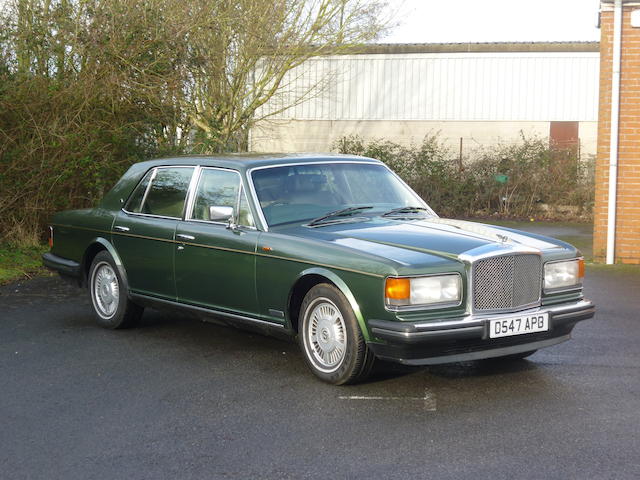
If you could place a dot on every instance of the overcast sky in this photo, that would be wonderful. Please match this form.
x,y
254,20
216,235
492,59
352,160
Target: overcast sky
x,y
423,21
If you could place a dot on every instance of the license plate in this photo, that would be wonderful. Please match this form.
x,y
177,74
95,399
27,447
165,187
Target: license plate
x,y
506,327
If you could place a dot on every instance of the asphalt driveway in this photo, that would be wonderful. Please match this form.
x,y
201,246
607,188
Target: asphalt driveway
x,y
180,399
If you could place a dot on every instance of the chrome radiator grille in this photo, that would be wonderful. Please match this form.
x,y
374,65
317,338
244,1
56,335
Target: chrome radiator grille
x,y
506,282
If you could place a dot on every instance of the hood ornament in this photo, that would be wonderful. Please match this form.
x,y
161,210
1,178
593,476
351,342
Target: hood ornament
x,y
502,238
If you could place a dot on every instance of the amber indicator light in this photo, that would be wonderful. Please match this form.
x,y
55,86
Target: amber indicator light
x,y
397,288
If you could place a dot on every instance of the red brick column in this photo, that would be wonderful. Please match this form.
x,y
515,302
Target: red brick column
x,y
627,249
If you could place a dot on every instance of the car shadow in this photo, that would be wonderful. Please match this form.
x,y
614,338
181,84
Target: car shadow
x,y
385,370
481,368
220,333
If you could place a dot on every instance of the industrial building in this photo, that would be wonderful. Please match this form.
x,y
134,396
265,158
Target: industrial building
x,y
472,95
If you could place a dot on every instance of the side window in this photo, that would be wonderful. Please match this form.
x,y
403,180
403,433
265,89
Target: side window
x,y
220,188
166,194
245,217
135,201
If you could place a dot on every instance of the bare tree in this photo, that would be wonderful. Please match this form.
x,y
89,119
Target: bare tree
x,y
242,50
89,86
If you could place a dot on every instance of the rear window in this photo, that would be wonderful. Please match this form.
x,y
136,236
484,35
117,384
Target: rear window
x,y
161,192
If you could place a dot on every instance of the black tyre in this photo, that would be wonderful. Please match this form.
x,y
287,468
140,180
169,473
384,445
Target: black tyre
x,y
109,296
330,337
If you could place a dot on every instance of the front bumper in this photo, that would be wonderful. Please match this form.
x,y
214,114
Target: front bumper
x,y
467,338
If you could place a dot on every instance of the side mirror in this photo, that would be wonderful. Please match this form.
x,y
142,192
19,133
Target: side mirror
x,y
220,213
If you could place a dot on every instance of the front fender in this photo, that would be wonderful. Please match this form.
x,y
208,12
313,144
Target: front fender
x,y
342,286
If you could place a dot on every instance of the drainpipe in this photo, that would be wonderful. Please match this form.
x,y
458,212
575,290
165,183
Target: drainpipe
x,y
613,146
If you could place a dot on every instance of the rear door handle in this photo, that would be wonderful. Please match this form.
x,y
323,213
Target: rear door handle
x,y
182,236
119,228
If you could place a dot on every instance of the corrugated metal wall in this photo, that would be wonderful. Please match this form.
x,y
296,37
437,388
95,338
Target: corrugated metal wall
x,y
541,86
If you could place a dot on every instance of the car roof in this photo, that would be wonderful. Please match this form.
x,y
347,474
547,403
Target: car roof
x,y
246,161
239,161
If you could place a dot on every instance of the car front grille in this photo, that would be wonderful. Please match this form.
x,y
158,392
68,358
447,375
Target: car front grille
x,y
506,282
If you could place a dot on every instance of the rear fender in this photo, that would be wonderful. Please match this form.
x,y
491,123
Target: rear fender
x,y
106,244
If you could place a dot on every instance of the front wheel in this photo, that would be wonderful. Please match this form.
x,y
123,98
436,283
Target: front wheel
x,y
111,305
330,337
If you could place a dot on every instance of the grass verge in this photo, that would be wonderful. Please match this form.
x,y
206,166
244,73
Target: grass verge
x,y
19,263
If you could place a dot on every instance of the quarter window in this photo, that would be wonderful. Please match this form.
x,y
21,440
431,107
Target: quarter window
x,y
135,201
221,188
245,218
162,192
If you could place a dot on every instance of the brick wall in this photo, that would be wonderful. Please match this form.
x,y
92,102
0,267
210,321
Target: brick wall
x,y
627,249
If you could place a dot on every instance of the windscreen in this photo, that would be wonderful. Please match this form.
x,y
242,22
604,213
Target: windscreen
x,y
297,193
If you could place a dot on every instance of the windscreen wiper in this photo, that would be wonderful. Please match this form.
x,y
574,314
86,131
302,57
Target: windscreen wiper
x,y
343,212
401,210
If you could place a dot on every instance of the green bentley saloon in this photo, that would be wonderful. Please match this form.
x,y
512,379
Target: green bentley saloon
x,y
334,250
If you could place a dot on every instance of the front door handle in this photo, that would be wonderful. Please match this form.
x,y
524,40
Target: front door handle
x,y
182,236
119,228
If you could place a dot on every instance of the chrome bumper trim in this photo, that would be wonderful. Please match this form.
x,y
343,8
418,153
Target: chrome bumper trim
x,y
473,326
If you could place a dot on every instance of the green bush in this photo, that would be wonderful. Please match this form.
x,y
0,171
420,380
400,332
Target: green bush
x,y
89,87
61,147
521,180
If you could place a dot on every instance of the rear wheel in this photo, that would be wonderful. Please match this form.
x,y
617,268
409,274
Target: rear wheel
x,y
111,305
330,337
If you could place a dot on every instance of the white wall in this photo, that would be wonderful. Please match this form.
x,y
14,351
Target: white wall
x,y
495,86
319,135
484,98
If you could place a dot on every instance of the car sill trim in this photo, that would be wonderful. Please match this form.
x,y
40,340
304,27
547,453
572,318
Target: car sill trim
x,y
204,310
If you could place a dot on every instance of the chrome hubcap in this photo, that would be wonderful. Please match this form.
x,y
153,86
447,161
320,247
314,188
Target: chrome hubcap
x,y
105,291
326,335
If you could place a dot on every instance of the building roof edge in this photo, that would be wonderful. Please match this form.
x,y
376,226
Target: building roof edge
x,y
504,47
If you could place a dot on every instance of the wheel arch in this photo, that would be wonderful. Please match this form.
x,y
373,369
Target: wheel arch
x,y
312,277
97,245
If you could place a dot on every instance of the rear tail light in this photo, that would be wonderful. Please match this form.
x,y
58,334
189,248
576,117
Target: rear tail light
x,y
50,237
